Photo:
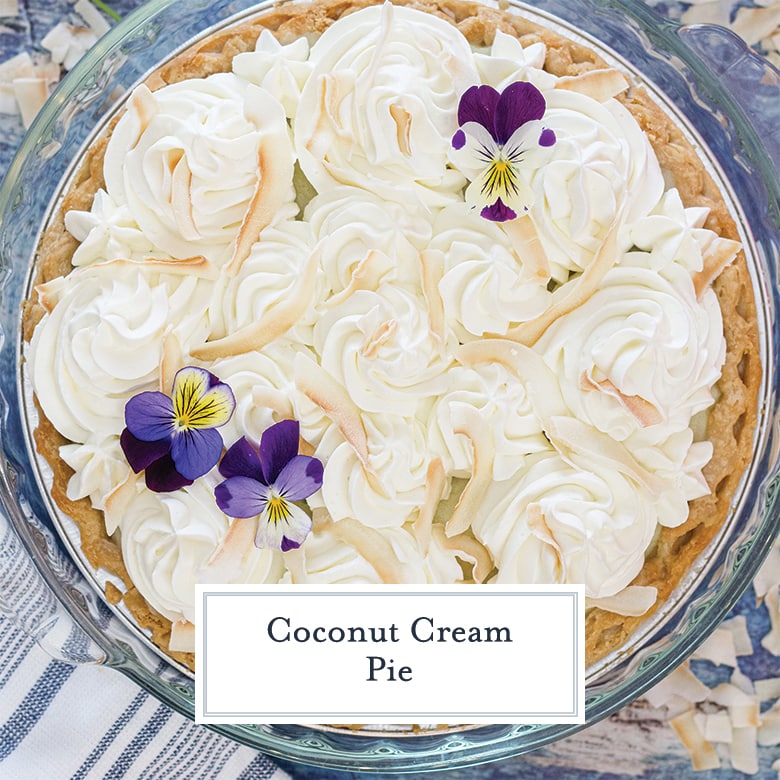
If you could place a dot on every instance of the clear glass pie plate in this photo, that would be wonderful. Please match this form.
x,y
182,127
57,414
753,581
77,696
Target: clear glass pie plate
x,y
729,101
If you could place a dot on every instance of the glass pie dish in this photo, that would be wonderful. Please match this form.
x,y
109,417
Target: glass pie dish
x,y
725,97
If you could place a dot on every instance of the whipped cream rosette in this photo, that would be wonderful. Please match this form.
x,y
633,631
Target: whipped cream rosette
x,y
105,334
561,522
377,111
216,161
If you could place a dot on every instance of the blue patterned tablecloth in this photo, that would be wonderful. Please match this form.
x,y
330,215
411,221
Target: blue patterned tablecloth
x,y
59,721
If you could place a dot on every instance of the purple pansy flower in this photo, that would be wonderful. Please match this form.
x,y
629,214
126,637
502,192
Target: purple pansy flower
x,y
266,482
173,438
499,134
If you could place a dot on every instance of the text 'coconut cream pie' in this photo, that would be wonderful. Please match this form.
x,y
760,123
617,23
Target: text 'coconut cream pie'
x,y
394,293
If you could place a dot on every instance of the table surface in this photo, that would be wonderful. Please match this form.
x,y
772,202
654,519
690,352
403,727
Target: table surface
x,y
636,742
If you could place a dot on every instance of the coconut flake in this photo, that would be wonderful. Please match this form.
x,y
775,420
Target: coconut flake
x,y
703,754
769,727
718,648
744,750
632,601
468,421
182,637
9,8
681,682
771,641
94,19
31,94
600,84
753,24
68,44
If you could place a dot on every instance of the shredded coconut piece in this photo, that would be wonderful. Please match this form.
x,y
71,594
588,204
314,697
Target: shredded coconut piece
x,y
94,19
9,7
68,44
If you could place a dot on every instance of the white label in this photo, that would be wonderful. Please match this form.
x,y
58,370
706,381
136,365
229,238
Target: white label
x,y
390,654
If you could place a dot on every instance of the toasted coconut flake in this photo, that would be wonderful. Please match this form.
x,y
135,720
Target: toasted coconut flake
x,y
323,390
432,267
231,553
172,360
276,400
718,648
197,265
182,637
366,276
600,84
384,332
435,485
753,24
632,601
467,420
771,641
769,728
68,44
9,8
572,436
17,67
49,292
117,502
703,754
718,254
143,105
744,750
681,682
737,625
768,688
275,322
94,19
372,545
716,727
403,124
537,525
31,94
528,246
574,293
264,205
642,410
181,195
471,549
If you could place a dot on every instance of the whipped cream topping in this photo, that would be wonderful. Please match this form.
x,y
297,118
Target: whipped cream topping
x,y
601,170
379,108
558,522
557,366
103,339
202,148
166,538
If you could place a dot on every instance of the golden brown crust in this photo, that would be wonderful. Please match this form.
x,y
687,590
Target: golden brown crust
x,y
731,422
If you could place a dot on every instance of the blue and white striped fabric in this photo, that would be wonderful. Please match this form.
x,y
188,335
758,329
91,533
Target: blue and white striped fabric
x,y
85,722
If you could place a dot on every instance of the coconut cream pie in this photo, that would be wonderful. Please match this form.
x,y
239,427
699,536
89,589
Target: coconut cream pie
x,y
416,293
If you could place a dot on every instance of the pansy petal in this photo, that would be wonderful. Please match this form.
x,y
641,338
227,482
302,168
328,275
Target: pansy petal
x,y
478,150
241,497
162,476
200,400
273,528
195,453
278,446
149,416
519,103
141,454
478,104
241,459
498,212
301,477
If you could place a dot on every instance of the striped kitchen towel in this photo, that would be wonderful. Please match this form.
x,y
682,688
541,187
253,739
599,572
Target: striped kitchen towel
x,y
63,722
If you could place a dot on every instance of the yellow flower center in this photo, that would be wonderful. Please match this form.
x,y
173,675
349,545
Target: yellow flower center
x,y
501,179
278,509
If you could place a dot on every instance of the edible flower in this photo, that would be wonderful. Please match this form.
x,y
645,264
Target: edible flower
x,y
499,133
174,438
267,481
